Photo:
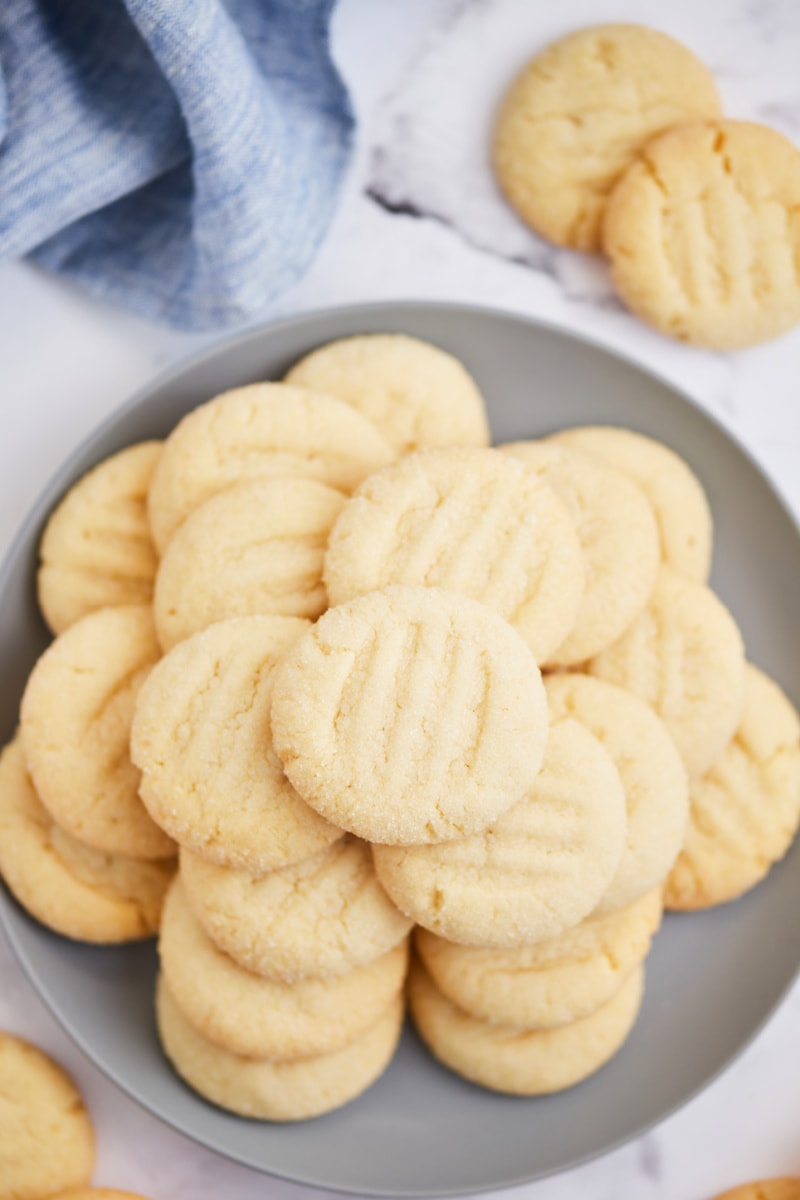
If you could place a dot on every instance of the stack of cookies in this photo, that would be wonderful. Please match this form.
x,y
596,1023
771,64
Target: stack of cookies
x,y
368,674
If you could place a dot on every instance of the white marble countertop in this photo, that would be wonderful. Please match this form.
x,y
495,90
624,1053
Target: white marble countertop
x,y
419,219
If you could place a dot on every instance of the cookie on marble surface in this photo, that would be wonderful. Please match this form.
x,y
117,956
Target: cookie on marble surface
x,y
96,549
276,1091
71,888
653,778
551,983
75,722
46,1136
263,1018
468,520
540,868
703,237
745,810
257,432
415,393
685,658
782,1188
521,1062
618,533
578,115
676,494
201,737
410,715
321,917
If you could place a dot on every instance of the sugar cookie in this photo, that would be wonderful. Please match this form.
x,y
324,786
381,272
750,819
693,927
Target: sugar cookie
x,y
540,868
90,1193
410,715
415,393
745,809
783,1188
471,521
578,115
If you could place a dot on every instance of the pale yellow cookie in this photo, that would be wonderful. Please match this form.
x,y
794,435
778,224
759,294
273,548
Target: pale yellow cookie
x,y
254,548
782,1188
201,737
540,868
96,550
415,393
552,983
653,778
675,492
618,533
410,715
321,917
522,1062
75,722
254,432
471,521
263,1018
578,115
276,1091
685,658
746,808
703,236
90,1193
79,892
46,1136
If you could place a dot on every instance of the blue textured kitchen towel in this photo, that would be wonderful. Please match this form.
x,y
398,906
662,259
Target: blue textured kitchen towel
x,y
181,157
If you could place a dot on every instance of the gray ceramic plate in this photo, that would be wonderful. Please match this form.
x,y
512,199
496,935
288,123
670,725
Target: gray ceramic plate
x,y
712,979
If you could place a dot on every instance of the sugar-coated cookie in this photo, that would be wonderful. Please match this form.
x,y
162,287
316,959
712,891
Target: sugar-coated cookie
x,y
73,889
685,658
675,492
201,737
653,778
415,393
75,722
46,1136
96,550
540,868
702,234
276,1091
551,983
522,1062
578,115
782,1188
746,808
410,715
468,520
618,532
254,432
320,917
90,1193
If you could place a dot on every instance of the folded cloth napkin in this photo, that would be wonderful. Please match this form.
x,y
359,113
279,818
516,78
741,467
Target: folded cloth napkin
x,y
181,157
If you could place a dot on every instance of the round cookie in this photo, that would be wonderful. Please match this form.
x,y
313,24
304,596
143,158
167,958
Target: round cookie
x,y
552,983
96,550
618,533
745,810
72,889
321,917
578,115
685,658
675,492
276,1091
653,778
783,1188
75,722
539,869
46,1136
415,393
703,237
471,521
255,548
254,432
90,1193
262,1018
391,716
201,737
522,1062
